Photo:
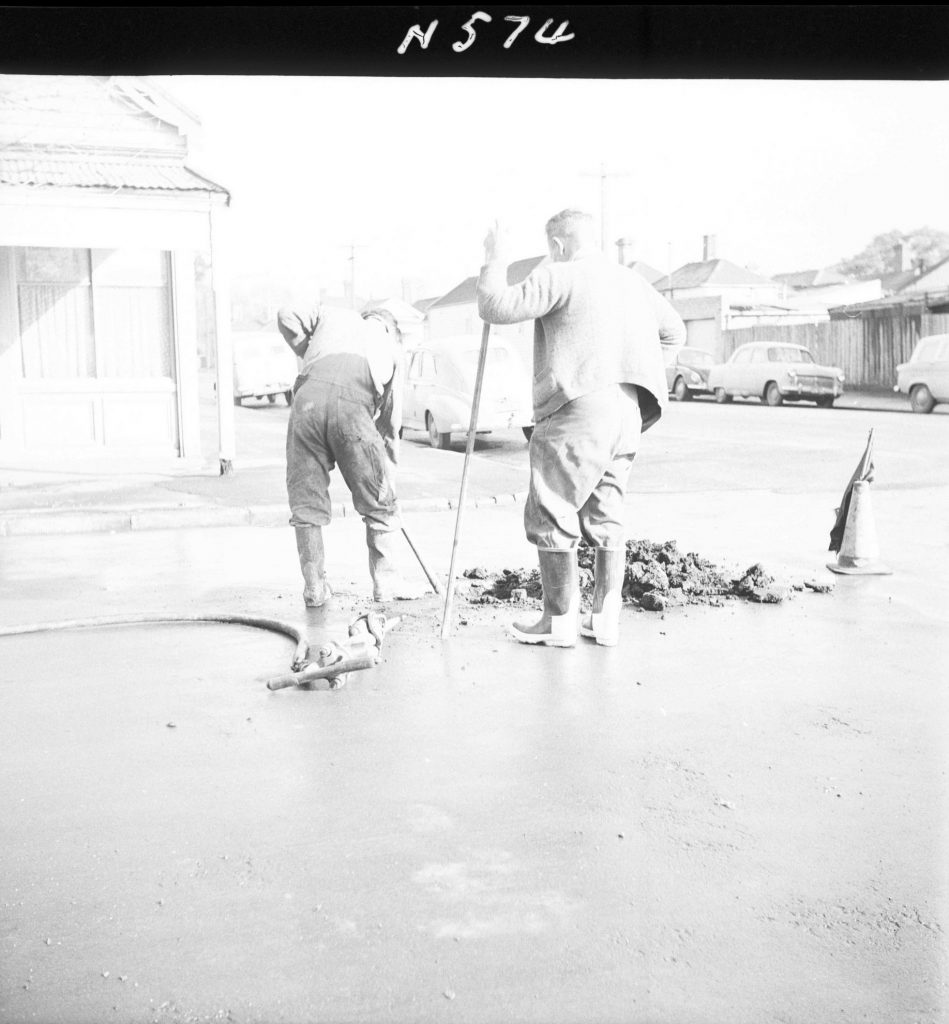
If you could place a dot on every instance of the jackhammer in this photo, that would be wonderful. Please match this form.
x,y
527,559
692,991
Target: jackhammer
x,y
334,661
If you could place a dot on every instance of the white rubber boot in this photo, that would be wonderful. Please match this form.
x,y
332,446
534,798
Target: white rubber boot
x,y
557,627
602,624
316,588
387,581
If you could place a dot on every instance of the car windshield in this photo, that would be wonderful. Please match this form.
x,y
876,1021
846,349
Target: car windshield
x,y
786,354
695,357
931,349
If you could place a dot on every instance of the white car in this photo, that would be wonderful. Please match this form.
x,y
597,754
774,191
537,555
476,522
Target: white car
x,y
440,382
264,366
775,372
925,378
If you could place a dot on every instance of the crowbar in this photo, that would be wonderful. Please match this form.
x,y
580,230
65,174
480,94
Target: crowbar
x,y
431,578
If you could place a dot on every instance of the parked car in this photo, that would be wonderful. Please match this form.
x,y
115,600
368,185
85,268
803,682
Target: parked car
x,y
776,373
925,378
264,366
440,383
687,373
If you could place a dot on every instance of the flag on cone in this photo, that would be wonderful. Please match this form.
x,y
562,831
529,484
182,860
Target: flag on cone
x,y
854,534
864,471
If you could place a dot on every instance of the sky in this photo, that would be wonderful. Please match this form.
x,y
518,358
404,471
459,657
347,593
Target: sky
x,y
787,175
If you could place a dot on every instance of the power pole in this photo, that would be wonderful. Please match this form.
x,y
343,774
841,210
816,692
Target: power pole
x,y
351,258
604,175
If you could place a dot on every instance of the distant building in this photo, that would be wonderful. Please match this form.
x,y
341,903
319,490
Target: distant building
x,y
935,279
625,248
735,284
456,312
816,291
101,221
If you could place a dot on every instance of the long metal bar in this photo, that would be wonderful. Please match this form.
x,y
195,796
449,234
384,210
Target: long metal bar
x,y
472,428
431,579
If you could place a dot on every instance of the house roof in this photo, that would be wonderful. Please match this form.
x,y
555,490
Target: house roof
x,y
919,281
467,291
812,278
34,169
710,272
897,280
934,302
423,305
650,273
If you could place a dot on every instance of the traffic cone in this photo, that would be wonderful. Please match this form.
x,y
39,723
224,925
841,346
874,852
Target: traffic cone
x,y
860,553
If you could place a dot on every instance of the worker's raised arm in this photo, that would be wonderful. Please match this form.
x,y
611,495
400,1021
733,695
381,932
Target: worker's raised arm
x,y
501,303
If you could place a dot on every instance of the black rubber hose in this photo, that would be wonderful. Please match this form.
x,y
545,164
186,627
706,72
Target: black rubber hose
x,y
273,625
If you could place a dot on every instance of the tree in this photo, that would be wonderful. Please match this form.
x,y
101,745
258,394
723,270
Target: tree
x,y
925,246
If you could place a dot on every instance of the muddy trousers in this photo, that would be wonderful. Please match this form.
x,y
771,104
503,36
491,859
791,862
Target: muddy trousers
x,y
331,426
580,458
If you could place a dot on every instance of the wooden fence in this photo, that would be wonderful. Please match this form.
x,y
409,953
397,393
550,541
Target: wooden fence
x,y
868,349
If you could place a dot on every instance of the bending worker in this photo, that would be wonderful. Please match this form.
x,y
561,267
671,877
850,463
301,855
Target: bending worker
x,y
347,411
599,381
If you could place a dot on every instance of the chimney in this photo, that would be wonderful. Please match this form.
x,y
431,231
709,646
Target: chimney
x,y
624,248
708,248
901,259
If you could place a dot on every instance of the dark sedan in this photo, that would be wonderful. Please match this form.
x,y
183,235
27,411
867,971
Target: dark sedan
x,y
687,373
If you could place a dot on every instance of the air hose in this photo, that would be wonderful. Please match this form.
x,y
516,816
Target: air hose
x,y
273,625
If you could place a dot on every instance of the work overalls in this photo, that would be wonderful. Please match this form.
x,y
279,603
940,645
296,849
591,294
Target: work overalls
x,y
331,423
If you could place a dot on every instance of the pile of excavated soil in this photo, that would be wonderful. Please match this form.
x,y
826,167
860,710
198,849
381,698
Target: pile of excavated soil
x,y
658,576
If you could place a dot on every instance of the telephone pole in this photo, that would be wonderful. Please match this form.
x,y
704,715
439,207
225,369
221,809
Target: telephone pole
x,y
351,258
604,175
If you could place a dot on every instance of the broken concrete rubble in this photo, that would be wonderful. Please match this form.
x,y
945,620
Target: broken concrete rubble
x,y
658,576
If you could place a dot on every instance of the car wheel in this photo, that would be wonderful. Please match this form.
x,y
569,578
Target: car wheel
x,y
400,432
826,401
288,397
722,396
435,438
681,390
237,399
772,394
271,399
528,432
921,399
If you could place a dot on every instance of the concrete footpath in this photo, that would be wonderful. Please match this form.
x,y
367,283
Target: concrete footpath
x,y
67,495
65,500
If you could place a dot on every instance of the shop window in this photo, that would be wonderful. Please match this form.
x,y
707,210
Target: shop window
x,y
104,313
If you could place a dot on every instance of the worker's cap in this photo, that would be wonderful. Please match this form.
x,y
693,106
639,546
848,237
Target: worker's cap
x,y
385,315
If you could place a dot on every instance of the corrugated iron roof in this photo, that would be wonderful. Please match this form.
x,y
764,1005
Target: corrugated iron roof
x,y
81,172
916,301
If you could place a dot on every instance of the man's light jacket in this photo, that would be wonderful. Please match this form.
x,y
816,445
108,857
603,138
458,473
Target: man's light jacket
x,y
596,323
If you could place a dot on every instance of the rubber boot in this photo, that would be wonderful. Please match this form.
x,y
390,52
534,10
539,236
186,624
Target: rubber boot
x,y
387,582
316,588
557,627
602,624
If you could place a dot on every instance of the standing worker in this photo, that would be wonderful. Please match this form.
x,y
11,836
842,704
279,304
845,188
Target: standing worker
x,y
347,411
599,382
